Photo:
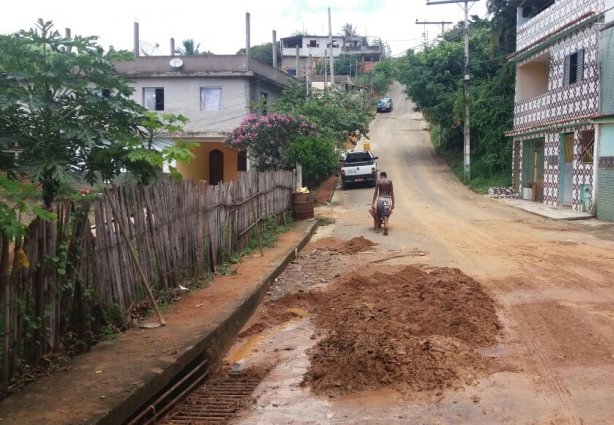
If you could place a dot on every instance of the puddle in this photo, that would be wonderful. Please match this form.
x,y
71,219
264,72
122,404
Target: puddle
x,y
301,312
244,350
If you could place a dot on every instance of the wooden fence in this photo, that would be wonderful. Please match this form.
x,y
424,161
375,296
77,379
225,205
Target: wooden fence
x,y
69,278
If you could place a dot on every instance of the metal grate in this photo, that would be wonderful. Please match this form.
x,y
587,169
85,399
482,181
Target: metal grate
x,y
215,402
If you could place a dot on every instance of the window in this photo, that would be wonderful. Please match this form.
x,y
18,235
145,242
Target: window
x,y
574,68
242,161
313,43
210,99
153,98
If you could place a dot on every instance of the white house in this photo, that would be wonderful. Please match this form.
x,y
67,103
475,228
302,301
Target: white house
x,y
215,93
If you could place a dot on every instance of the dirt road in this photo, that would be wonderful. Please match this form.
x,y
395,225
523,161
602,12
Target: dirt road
x,y
551,282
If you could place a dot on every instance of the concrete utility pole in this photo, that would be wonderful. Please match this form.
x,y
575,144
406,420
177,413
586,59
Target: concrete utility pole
x,y
307,75
173,47
325,70
466,127
136,50
425,23
297,59
330,41
247,40
274,49
68,35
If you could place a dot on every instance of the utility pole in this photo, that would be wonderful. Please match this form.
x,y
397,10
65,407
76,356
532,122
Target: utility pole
x,y
307,75
325,70
425,23
466,127
330,42
247,36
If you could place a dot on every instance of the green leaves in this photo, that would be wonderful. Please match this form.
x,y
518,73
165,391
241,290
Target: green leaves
x,y
18,198
434,80
68,114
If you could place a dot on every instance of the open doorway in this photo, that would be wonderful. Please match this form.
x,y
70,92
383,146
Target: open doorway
x,y
566,169
533,170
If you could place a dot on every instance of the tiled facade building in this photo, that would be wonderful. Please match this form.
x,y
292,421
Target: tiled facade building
x,y
557,101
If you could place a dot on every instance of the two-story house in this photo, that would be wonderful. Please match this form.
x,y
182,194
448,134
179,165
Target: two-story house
x,y
215,93
317,47
557,99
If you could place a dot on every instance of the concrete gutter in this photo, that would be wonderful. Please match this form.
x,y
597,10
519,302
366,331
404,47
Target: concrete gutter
x,y
109,384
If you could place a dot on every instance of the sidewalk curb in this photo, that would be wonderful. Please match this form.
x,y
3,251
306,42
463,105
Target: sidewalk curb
x,y
212,346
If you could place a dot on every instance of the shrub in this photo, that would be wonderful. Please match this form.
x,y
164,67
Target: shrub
x,y
317,156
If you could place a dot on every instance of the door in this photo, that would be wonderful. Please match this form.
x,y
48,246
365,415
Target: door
x,y
566,170
216,166
533,168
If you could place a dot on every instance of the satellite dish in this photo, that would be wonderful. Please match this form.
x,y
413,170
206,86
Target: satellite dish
x,y
176,63
148,49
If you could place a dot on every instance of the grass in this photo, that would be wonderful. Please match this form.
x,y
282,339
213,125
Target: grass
x,y
481,179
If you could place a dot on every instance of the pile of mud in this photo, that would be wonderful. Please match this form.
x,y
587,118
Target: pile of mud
x,y
416,329
353,246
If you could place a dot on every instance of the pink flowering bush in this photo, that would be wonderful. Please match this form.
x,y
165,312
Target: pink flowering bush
x,y
268,137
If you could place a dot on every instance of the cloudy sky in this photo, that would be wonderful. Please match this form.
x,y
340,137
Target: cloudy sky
x,y
219,26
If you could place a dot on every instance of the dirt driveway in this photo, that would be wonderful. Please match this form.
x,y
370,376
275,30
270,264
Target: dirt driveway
x,y
551,286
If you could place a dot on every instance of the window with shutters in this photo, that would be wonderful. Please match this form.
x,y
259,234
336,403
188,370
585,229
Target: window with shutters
x,y
574,67
153,98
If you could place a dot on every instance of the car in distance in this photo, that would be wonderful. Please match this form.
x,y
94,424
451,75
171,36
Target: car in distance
x,y
384,104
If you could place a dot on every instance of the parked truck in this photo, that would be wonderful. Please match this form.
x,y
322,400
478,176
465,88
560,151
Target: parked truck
x,y
359,167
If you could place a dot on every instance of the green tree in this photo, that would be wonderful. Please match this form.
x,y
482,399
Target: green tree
x,y
190,48
317,157
65,109
262,53
434,81
349,30
337,113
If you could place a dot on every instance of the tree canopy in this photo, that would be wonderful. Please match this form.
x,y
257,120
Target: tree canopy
x,y
191,48
67,112
434,81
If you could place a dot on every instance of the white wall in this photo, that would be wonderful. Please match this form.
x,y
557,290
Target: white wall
x,y
609,8
182,96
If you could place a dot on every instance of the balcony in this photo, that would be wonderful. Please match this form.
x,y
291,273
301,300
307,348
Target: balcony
x,y
354,50
556,106
561,15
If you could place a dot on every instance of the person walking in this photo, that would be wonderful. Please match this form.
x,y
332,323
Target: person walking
x,y
384,194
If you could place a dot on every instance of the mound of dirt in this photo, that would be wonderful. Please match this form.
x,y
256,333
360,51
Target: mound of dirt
x,y
354,245
416,328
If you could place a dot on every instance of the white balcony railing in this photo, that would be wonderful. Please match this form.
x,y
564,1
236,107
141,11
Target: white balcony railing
x,y
560,15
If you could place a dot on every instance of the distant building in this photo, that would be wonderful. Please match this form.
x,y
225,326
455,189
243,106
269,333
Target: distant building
x,y
318,47
215,93
557,101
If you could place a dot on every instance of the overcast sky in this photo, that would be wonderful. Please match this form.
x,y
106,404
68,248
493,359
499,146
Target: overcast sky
x,y
219,26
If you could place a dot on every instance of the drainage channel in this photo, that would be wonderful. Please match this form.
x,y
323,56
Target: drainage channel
x,y
216,401
198,398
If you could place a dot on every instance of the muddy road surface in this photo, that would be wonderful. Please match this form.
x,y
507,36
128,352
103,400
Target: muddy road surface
x,y
468,312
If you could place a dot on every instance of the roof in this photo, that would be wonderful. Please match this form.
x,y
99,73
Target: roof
x,y
201,66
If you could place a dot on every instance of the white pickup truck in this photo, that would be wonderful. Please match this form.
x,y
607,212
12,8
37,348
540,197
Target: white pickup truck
x,y
358,167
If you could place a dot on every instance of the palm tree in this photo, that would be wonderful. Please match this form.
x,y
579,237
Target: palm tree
x,y
188,48
349,30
